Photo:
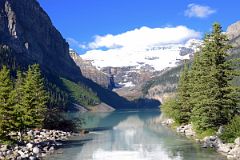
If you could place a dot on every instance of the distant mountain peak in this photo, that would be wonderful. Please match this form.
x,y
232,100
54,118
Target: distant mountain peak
x,y
233,30
159,56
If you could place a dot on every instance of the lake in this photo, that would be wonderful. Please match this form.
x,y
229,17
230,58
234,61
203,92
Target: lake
x,y
130,135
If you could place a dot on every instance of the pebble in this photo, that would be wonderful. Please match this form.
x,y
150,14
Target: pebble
x,y
42,142
36,150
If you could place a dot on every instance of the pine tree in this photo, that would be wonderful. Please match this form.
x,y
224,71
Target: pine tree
x,y
19,114
34,97
212,96
5,109
183,96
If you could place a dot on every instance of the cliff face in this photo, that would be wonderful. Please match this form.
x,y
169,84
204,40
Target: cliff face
x,y
233,32
28,31
89,71
165,84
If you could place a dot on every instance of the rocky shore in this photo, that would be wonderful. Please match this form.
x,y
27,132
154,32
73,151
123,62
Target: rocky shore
x,y
230,150
36,144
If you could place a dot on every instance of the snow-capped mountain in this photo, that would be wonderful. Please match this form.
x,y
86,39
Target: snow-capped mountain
x,y
136,66
158,57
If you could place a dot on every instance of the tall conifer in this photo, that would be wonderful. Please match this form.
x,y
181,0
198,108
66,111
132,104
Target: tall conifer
x,y
212,93
5,109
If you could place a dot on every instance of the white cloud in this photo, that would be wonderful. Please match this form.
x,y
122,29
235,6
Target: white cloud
x,y
144,37
137,47
74,43
200,11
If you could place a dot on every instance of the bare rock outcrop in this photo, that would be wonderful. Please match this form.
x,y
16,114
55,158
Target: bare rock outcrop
x,y
26,28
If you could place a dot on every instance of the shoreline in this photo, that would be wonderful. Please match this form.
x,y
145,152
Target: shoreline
x,y
37,144
230,150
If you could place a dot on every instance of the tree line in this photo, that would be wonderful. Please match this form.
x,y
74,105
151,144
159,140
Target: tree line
x,y
206,96
23,101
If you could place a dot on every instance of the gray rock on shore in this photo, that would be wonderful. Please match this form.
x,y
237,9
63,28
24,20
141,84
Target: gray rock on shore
x,y
41,143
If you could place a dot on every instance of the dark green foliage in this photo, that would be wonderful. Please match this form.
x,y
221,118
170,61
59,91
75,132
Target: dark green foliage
x,y
170,76
19,114
34,98
183,97
169,109
206,94
55,119
58,97
231,130
5,109
23,104
213,98
80,94
6,57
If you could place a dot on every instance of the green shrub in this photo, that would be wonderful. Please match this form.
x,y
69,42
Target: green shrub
x,y
55,119
169,109
202,134
232,130
81,94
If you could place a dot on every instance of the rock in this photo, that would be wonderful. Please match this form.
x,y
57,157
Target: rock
x,y
58,144
230,157
187,130
43,155
205,145
235,152
167,122
19,158
4,148
213,138
224,148
23,155
32,158
30,133
233,30
237,141
220,130
42,44
51,149
36,150
9,152
29,145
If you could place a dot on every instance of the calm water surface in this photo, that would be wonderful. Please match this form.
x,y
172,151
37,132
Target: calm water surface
x,y
131,135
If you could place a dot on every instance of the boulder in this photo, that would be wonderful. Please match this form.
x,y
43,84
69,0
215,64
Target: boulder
x,y
224,148
9,152
23,155
36,150
29,145
32,158
235,152
4,148
237,141
220,130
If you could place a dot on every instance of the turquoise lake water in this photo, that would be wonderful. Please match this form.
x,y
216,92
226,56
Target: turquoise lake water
x,y
130,135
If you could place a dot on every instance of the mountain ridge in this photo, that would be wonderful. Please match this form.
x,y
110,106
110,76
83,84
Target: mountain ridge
x,y
27,30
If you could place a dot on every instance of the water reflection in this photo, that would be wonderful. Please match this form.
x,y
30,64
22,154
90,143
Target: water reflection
x,y
133,136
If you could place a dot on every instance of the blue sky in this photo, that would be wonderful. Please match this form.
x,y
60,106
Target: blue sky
x,y
80,21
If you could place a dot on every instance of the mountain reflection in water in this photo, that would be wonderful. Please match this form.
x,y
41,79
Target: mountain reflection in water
x,y
132,136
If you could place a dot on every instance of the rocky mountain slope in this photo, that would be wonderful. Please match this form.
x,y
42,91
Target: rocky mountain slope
x,y
136,67
165,84
233,32
27,30
89,71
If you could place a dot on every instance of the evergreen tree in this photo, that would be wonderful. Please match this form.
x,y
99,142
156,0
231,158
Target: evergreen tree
x,y
183,96
19,114
212,94
34,97
5,109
